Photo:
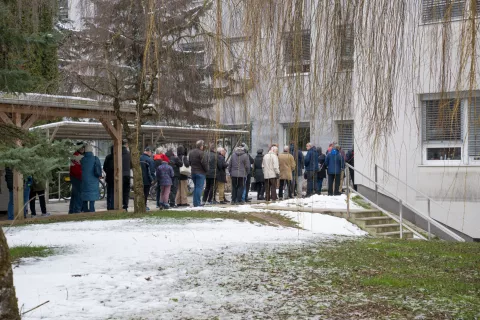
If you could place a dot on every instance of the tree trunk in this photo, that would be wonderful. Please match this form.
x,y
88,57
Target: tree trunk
x,y
138,198
8,299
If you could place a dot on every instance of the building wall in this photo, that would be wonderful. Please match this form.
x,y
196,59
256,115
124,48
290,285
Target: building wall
x,y
453,185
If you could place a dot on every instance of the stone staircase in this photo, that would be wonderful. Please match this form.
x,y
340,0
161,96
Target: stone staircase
x,y
378,224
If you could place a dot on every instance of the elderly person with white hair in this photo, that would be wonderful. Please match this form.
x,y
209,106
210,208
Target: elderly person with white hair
x,y
271,172
287,166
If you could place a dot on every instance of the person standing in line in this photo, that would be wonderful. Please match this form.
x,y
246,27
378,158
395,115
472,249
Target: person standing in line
x,y
211,176
199,171
108,167
297,182
148,173
76,203
258,175
176,164
286,164
221,176
342,174
335,164
350,160
248,179
38,189
158,159
9,181
182,193
91,173
239,166
322,172
271,173
126,167
311,168
165,175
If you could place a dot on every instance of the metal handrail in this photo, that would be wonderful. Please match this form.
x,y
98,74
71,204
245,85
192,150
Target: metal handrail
x,y
416,211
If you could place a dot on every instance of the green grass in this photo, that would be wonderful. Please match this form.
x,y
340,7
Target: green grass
x,y
19,252
262,218
388,278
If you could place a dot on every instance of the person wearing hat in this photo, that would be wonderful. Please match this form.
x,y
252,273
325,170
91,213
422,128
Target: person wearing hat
x,y
76,203
148,172
91,173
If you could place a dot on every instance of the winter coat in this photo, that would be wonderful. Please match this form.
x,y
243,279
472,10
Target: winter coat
x,y
270,166
239,165
165,174
286,164
159,158
148,169
198,162
9,178
299,160
182,155
250,167
334,162
75,166
126,162
311,160
108,167
257,168
91,172
175,163
350,158
222,169
322,173
212,160
40,185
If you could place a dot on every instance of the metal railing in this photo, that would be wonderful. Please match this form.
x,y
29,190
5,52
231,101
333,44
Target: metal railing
x,y
402,204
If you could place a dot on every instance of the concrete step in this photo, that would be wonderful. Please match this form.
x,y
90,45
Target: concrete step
x,y
380,228
396,234
365,222
366,214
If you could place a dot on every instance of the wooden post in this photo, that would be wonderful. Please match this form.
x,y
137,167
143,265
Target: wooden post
x,y
117,156
18,202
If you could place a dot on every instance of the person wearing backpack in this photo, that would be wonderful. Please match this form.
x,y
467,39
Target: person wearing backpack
x,y
91,173
165,177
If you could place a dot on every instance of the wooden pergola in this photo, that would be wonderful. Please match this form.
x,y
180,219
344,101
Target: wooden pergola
x,y
23,110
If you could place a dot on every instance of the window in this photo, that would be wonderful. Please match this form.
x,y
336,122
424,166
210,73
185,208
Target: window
x,y
63,10
474,129
299,134
442,129
442,10
345,135
196,54
297,52
345,33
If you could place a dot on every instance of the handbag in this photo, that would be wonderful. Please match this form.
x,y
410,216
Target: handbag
x,y
184,170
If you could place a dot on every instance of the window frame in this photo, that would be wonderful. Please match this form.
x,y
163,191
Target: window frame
x,y
339,123
345,43
464,16
288,64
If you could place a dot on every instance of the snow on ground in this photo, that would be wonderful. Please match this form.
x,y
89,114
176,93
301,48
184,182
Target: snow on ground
x,y
148,268
318,202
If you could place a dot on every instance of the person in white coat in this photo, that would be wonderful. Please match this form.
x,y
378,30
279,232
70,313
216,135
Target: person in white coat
x,y
271,173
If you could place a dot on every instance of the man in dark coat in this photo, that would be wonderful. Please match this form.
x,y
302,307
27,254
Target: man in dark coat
x,y
126,167
311,168
108,167
239,167
297,182
199,170
148,172
248,180
176,164
258,175
350,160
322,172
9,180
212,161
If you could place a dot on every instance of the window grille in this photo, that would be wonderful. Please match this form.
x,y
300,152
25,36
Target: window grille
x,y
474,128
297,52
347,46
442,120
345,135
438,10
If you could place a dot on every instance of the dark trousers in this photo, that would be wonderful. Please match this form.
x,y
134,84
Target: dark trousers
x,y
271,189
352,176
209,190
260,187
247,186
173,191
311,182
237,189
331,179
146,192
126,191
284,182
110,192
158,189
41,198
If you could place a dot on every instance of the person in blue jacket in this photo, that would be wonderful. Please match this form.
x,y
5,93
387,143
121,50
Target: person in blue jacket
x,y
91,173
311,168
335,164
